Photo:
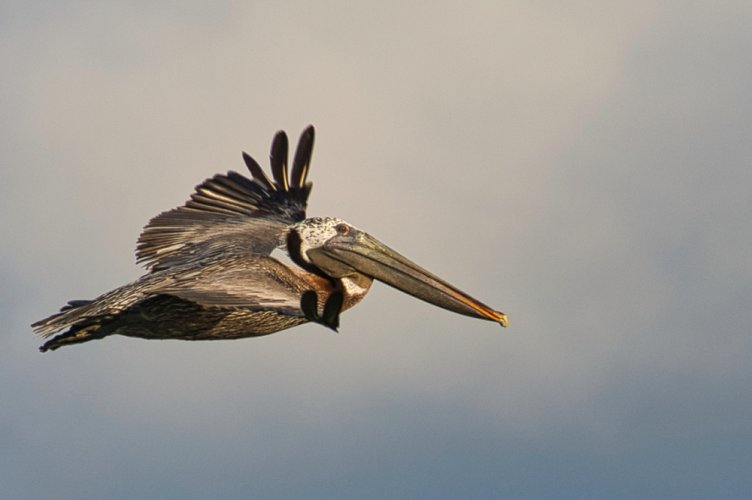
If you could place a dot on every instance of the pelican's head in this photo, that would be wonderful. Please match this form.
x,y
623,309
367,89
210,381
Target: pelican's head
x,y
338,249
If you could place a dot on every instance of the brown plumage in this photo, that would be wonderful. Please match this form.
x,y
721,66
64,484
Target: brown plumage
x,y
211,274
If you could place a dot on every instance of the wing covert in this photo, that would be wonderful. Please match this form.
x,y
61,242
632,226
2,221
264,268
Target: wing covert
x,y
255,283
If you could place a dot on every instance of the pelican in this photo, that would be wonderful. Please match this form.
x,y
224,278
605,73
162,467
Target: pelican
x,y
211,274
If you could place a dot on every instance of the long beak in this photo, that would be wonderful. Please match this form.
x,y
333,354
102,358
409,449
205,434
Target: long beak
x,y
366,255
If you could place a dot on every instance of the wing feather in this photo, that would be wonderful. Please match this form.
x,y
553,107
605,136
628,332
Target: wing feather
x,y
302,160
257,172
278,159
230,212
256,283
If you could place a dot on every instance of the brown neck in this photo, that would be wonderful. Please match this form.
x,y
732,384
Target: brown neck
x,y
354,288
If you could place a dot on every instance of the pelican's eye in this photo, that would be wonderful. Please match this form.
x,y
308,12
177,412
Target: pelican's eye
x,y
343,229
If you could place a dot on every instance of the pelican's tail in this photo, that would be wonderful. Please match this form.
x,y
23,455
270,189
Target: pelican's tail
x,y
72,316
75,335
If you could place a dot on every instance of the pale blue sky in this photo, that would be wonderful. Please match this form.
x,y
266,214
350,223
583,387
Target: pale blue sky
x,y
582,166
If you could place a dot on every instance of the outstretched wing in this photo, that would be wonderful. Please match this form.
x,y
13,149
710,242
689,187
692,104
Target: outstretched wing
x,y
232,213
253,283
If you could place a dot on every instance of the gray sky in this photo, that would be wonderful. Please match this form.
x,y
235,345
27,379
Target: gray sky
x,y
582,166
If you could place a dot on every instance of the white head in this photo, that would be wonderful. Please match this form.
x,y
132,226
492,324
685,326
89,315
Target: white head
x,y
336,249
315,232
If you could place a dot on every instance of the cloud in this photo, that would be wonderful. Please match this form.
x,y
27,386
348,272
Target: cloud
x,y
583,168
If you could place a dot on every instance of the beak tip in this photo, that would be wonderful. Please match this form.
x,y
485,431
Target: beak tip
x,y
503,320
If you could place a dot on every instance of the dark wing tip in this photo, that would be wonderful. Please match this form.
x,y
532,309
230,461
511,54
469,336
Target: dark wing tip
x,y
302,160
278,159
257,172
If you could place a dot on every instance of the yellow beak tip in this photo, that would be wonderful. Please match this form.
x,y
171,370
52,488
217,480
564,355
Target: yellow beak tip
x,y
503,320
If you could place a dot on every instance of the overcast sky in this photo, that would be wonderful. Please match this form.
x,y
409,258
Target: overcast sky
x,y
584,167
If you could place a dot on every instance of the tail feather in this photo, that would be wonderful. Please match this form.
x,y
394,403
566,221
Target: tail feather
x,y
70,314
81,320
73,316
75,335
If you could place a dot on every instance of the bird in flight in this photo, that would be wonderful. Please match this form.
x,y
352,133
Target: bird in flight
x,y
211,275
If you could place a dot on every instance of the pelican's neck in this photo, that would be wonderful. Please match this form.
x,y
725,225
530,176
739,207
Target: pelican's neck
x,y
354,288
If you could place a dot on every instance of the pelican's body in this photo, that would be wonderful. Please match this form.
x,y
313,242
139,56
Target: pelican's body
x,y
212,275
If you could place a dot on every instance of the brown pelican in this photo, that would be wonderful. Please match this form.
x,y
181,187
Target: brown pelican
x,y
211,273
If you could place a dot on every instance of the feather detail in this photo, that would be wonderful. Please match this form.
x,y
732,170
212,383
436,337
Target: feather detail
x,y
232,211
278,160
302,160
257,172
